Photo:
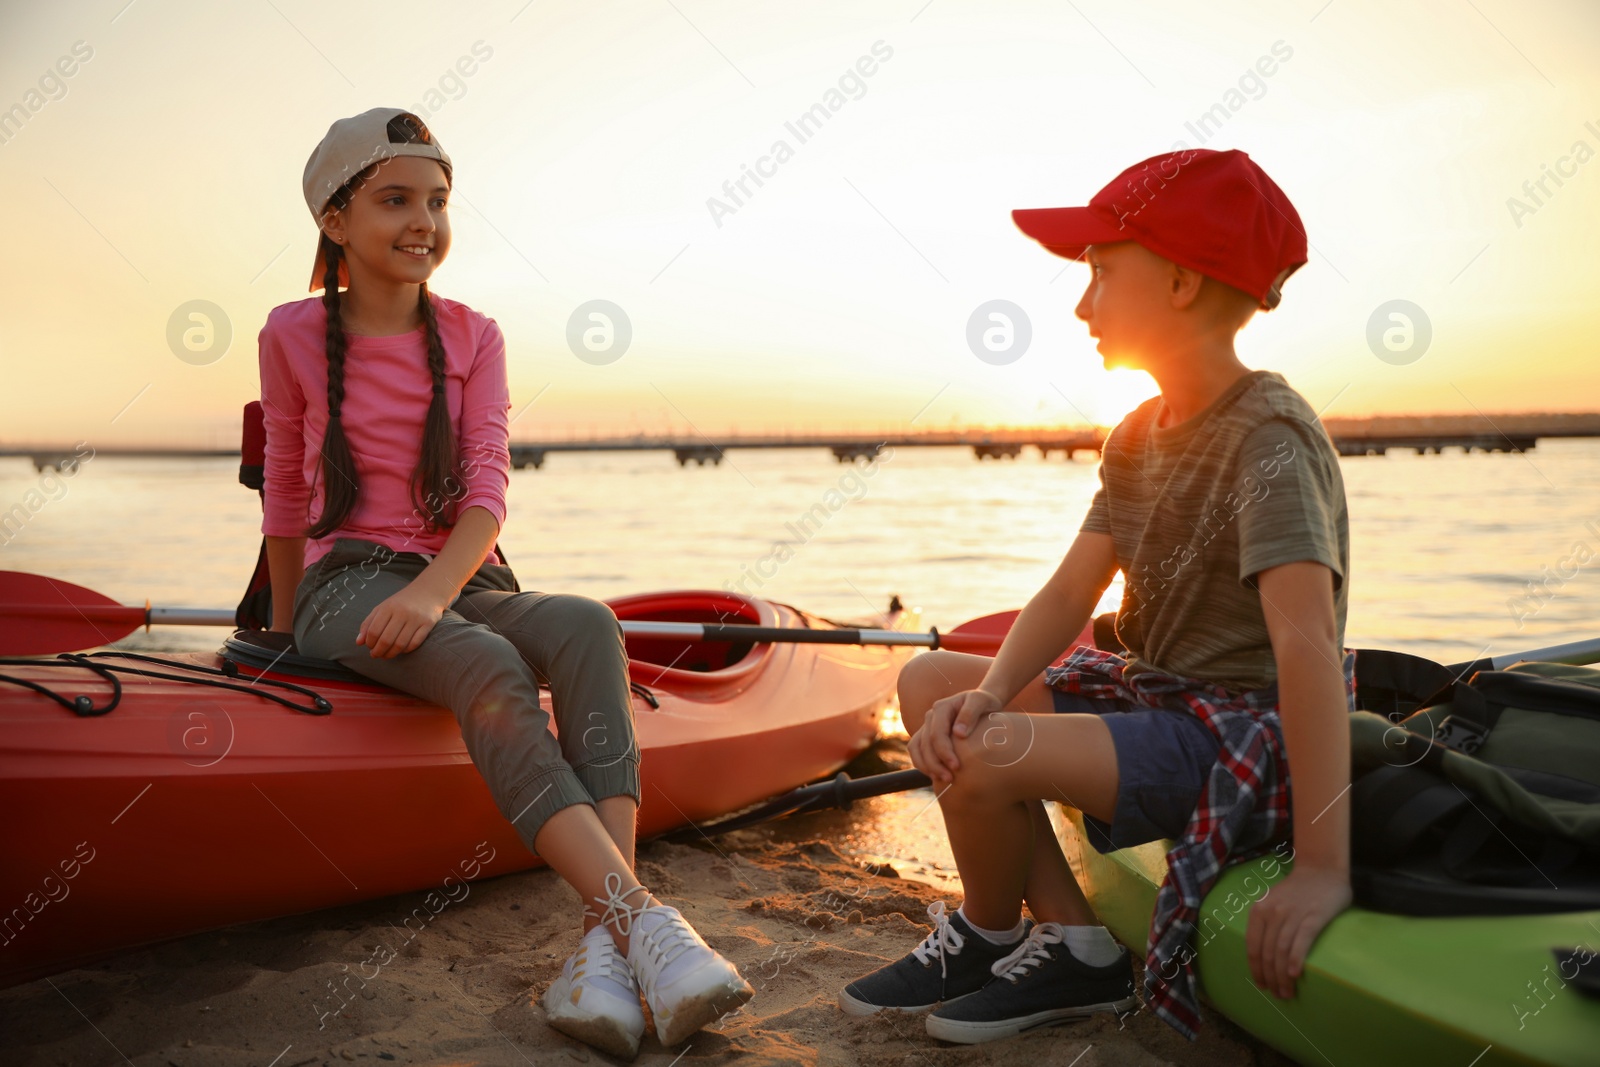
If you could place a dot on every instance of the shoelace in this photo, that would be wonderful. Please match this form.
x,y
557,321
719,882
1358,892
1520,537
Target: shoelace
x,y
600,958
619,914
945,940
1031,953
663,943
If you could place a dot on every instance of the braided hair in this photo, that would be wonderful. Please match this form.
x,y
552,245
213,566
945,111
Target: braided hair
x,y
436,480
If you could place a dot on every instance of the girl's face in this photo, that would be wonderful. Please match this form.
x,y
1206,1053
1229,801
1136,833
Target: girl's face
x,y
396,229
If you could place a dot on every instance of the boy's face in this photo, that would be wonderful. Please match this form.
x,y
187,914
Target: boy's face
x,y
1127,303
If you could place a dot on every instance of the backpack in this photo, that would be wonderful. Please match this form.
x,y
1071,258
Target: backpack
x,y
1479,797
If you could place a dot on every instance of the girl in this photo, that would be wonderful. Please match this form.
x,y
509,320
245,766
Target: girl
x,y
396,580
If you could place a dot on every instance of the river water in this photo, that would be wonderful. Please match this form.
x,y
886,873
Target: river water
x,y
1442,547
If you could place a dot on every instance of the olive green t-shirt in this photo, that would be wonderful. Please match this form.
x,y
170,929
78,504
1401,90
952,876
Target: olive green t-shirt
x,y
1197,509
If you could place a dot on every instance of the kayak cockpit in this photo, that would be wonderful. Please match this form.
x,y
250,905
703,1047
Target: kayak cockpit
x,y
684,654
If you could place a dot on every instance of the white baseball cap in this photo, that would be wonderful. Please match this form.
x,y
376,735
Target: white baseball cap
x,y
349,147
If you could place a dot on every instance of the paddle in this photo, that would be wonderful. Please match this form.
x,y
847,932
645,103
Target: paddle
x,y
840,791
40,615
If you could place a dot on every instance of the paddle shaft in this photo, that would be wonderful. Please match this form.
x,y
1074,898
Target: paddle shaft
x,y
129,615
741,632
132,616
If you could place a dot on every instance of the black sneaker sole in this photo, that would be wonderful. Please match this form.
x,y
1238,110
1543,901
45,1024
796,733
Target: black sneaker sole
x,y
966,1032
851,1006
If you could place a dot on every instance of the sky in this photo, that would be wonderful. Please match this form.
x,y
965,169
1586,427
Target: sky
x,y
592,143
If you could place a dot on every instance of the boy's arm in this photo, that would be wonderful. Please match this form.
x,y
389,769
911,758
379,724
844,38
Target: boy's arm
x,y
1057,613
1054,616
1297,601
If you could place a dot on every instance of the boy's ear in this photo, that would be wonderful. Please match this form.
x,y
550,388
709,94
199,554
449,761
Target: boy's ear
x,y
1183,286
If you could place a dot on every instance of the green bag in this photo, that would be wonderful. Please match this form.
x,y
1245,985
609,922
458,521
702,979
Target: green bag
x,y
1476,797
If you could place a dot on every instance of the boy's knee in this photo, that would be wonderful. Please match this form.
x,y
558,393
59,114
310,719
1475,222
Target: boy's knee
x,y
998,742
923,680
975,783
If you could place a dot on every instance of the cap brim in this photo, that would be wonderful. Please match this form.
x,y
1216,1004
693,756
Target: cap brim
x,y
1067,231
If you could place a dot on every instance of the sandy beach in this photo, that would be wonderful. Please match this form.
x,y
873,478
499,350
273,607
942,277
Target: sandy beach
x,y
437,981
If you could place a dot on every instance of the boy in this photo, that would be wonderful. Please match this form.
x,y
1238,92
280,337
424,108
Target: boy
x,y
1222,504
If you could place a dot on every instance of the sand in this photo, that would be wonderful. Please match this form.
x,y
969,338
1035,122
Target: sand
x,y
798,916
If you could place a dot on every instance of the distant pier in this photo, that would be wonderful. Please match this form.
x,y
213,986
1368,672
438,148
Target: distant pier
x,y
1351,437
1470,433
997,444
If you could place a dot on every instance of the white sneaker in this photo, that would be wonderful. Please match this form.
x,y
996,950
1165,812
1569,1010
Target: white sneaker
x,y
685,981
595,998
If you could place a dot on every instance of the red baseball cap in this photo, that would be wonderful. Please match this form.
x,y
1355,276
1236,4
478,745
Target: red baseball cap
x,y
1214,212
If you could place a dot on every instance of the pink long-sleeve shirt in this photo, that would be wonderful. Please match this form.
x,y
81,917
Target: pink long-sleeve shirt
x,y
387,390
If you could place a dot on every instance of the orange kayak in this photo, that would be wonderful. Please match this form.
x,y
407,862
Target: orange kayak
x,y
189,807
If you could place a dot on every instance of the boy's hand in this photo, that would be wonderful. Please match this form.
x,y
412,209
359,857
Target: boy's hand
x,y
933,751
400,623
1285,923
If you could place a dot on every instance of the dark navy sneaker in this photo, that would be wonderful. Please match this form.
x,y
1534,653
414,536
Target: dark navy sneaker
x,y
1039,984
951,962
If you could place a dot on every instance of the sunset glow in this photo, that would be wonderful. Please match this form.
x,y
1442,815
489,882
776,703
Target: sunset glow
x,y
798,212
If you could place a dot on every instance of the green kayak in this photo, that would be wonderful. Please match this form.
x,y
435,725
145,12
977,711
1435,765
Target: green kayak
x,y
1377,988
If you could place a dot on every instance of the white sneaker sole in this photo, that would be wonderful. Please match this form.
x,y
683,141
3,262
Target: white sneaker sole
x,y
965,1032
608,1033
699,1009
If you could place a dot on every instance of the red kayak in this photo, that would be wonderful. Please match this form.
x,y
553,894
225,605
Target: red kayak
x,y
188,807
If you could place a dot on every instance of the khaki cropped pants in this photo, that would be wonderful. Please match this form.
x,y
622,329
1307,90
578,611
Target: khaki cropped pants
x,y
483,660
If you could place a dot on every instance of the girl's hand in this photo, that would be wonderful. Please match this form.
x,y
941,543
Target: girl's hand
x,y
933,752
400,623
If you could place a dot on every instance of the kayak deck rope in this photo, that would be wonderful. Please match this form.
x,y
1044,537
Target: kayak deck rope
x,y
80,705
84,706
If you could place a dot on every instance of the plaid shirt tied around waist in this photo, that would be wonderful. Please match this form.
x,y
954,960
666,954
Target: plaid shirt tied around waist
x,y
1243,809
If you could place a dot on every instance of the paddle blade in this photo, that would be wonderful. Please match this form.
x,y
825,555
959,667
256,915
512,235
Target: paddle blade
x,y
982,636
42,616
998,624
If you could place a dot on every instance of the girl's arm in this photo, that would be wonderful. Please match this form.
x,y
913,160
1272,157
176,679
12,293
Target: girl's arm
x,y
464,550
401,623
288,498
485,430
285,568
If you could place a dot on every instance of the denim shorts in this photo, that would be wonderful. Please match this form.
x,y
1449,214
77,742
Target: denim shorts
x,y
1163,760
